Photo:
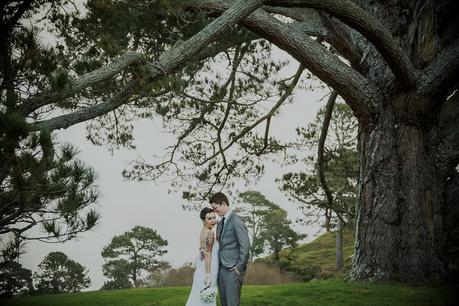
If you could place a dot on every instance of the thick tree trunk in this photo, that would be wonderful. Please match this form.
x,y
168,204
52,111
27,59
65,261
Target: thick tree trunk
x,y
399,230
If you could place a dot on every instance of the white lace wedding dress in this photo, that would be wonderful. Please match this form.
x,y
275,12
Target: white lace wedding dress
x,y
199,278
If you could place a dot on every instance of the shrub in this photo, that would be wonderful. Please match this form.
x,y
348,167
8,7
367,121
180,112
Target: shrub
x,y
171,277
265,274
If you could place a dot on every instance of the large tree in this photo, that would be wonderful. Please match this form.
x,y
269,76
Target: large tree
x,y
131,254
395,64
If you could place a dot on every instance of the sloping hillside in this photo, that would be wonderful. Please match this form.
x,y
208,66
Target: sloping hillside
x,y
315,259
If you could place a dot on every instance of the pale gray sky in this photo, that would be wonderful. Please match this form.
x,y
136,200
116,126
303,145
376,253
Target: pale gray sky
x,y
124,204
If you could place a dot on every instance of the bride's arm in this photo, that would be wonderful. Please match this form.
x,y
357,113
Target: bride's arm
x,y
208,251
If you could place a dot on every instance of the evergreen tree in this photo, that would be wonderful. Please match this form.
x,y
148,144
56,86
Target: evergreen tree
x,y
267,223
253,207
58,274
118,272
14,279
277,232
54,190
131,254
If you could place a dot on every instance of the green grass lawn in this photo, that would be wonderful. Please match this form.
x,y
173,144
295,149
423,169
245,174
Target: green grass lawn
x,y
324,292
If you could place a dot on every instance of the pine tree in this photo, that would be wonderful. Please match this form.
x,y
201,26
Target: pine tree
x,y
131,254
58,274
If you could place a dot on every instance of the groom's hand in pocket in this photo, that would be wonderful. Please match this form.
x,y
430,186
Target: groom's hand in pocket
x,y
234,269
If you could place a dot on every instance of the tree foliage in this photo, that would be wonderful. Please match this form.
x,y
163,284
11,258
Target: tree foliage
x,y
253,207
341,167
267,223
53,191
14,279
118,272
41,184
130,255
277,232
58,274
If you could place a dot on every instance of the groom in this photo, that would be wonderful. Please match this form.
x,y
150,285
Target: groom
x,y
234,250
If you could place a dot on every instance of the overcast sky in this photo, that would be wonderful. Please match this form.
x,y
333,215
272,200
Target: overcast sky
x,y
124,204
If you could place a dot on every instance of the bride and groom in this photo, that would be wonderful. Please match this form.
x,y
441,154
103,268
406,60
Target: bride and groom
x,y
222,256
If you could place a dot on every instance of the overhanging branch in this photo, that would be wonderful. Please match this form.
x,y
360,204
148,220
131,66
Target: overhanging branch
x,y
339,36
64,121
168,62
439,76
311,23
307,19
183,52
84,81
369,26
359,93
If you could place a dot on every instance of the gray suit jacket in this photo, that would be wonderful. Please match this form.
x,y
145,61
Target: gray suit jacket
x,y
234,243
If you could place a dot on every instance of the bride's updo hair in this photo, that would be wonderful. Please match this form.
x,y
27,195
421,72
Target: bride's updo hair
x,y
204,212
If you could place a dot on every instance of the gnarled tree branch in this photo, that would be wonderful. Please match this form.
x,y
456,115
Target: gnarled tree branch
x,y
321,25
360,94
339,37
82,82
311,23
307,19
87,113
369,26
168,62
440,75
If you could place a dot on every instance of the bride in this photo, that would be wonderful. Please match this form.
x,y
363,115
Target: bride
x,y
205,275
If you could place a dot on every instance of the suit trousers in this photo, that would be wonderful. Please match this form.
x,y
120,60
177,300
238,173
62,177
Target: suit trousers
x,y
229,286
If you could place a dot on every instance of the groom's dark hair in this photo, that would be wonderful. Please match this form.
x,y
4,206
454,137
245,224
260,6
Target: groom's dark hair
x,y
218,198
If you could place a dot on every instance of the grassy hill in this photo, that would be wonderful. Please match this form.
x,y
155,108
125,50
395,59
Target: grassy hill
x,y
323,292
316,258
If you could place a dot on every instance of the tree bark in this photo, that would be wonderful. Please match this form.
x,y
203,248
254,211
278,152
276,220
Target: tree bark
x,y
399,230
370,27
327,223
339,246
